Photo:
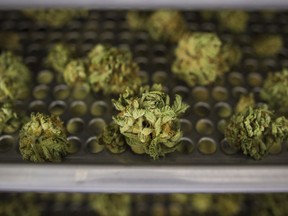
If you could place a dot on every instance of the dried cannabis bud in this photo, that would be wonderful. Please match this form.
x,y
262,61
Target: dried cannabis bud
x,y
166,25
137,19
197,58
148,121
255,131
233,20
112,70
15,77
112,139
54,17
244,102
59,55
111,204
9,40
268,45
43,138
9,121
275,92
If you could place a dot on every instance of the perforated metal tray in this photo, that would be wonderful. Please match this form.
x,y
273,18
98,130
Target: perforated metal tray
x,y
203,144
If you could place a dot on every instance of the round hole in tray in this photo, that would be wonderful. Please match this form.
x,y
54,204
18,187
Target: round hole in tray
x,y
186,126
275,149
109,25
78,108
57,107
175,209
250,65
74,145
183,91
235,79
45,77
220,93
207,145
227,148
61,92
269,64
204,126
221,125
93,145
80,91
186,145
37,106
96,125
75,125
254,79
144,77
6,143
238,91
208,26
202,109
200,93
40,92
160,77
158,209
223,110
98,108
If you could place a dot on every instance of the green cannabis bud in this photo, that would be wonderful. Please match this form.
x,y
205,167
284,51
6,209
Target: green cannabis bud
x,y
111,204
9,40
233,20
112,70
43,138
137,19
166,25
148,121
112,139
244,102
275,92
54,17
268,45
197,58
15,77
255,131
58,56
9,121
230,55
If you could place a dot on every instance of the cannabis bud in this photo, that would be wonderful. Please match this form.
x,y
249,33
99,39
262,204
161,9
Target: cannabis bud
x,y
244,102
268,45
15,77
275,92
233,20
112,139
54,17
137,19
59,55
111,204
9,40
43,138
166,25
255,131
112,70
196,58
9,121
148,121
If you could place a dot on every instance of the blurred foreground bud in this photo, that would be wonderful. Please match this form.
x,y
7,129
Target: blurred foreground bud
x,y
268,45
148,121
112,70
54,17
233,20
166,25
9,40
43,138
244,102
15,77
255,131
59,55
275,91
137,19
9,121
111,204
112,139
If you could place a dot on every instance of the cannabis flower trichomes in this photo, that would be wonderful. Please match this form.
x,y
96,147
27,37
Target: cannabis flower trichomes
x,y
148,121
9,121
43,138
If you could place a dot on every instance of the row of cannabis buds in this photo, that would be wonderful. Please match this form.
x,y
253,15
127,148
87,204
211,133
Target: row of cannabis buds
x,y
147,121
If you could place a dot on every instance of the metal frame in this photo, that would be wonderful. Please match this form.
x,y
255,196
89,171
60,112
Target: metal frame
x,y
143,179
